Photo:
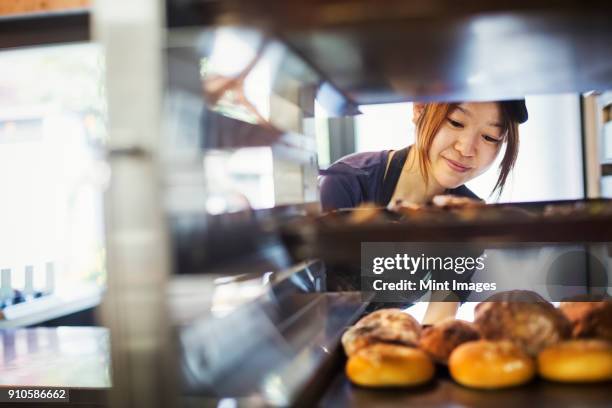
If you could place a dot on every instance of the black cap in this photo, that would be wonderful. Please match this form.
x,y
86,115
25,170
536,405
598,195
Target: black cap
x,y
517,109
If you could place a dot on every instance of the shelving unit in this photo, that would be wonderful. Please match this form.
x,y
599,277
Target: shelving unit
x,y
365,53
24,30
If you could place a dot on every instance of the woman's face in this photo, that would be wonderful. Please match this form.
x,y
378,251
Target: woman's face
x,y
466,144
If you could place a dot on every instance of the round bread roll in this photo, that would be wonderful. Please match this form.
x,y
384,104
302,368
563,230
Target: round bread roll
x,y
421,213
365,213
442,338
389,365
523,317
589,319
490,364
577,361
452,201
382,326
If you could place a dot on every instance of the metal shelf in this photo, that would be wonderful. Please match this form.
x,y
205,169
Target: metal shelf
x,y
44,28
50,307
435,50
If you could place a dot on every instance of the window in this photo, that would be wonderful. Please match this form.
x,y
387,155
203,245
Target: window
x,y
549,165
386,126
52,128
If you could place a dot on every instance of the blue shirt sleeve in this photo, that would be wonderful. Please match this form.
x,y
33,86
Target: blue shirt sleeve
x,y
337,191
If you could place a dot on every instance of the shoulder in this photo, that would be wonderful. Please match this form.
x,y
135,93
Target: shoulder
x,y
338,191
359,163
348,181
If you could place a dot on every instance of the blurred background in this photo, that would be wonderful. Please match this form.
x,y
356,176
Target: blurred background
x,y
159,164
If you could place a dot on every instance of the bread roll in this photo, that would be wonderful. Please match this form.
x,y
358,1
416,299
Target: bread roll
x,y
365,213
589,319
490,364
389,365
452,201
442,338
523,317
382,326
577,361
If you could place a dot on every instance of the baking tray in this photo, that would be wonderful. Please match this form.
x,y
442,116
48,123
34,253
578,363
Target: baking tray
x,y
444,392
334,238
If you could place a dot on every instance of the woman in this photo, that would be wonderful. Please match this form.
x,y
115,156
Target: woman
x,y
455,142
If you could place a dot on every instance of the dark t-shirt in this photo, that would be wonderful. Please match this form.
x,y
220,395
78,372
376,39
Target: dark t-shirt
x,y
359,178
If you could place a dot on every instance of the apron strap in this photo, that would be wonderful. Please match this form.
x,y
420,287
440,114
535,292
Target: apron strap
x,y
392,176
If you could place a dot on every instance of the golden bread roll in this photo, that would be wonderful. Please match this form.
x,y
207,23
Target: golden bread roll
x,y
523,317
490,364
404,205
382,326
442,338
452,201
589,319
421,213
577,361
365,213
389,365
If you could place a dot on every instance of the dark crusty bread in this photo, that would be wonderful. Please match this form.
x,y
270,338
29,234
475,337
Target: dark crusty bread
x,y
442,338
382,326
523,317
589,319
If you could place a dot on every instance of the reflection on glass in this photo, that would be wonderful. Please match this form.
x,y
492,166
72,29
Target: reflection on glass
x,y
322,135
233,66
249,77
239,179
606,187
61,357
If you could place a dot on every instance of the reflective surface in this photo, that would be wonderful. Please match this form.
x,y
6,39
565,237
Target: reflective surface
x,y
443,392
71,357
241,87
473,57
269,350
437,50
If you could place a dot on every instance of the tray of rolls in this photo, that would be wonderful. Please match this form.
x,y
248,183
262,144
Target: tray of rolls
x,y
520,349
337,236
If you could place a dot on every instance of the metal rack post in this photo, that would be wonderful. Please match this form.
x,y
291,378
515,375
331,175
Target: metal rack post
x,y
134,308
